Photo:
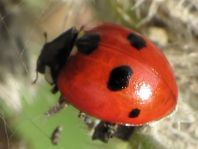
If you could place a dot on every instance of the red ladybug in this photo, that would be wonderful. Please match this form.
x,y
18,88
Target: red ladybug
x,y
117,75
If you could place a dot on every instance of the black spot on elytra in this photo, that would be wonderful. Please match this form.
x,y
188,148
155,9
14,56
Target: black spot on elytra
x,y
88,43
136,41
134,113
119,78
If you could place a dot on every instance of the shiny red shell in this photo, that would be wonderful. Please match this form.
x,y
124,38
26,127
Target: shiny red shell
x,y
152,88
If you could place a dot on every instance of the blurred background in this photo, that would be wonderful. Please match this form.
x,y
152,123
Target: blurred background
x,y
171,24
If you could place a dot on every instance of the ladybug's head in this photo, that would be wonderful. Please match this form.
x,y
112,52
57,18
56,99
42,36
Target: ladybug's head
x,y
54,54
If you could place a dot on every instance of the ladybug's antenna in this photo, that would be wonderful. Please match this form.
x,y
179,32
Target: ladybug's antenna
x,y
45,36
82,28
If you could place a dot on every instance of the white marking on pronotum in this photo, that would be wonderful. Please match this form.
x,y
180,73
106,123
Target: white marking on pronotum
x,y
48,75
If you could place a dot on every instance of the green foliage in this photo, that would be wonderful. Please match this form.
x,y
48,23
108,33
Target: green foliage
x,y
34,127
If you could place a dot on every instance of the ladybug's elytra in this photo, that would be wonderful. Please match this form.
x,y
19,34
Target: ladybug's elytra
x,y
117,75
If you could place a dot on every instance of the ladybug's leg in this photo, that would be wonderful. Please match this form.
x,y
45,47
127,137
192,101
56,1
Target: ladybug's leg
x,y
54,89
124,132
61,104
104,131
56,134
89,121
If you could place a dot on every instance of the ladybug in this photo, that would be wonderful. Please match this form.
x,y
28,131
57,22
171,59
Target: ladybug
x,y
117,75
